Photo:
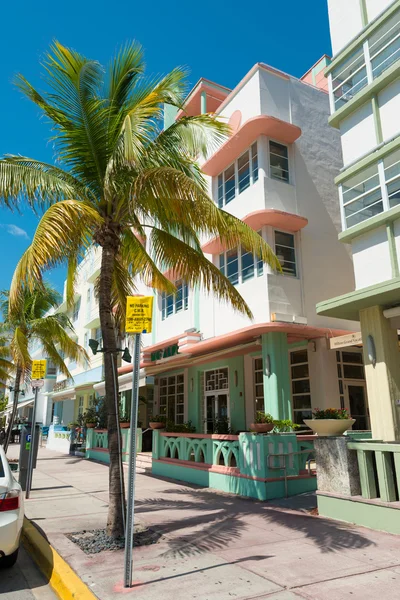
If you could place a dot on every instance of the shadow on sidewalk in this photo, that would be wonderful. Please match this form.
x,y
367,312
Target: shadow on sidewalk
x,y
217,520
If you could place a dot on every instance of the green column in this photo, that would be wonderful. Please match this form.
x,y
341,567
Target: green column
x,y
277,399
203,103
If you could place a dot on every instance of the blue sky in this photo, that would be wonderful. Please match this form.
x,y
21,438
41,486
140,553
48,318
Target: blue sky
x,y
219,41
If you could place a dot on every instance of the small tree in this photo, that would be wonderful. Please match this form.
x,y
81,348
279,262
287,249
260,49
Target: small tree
x,y
29,320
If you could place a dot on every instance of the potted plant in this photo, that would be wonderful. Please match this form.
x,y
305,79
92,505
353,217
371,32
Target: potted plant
x,y
73,426
124,421
285,426
90,418
158,421
263,422
330,422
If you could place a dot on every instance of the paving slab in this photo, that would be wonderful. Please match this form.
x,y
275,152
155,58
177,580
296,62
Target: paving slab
x,y
212,545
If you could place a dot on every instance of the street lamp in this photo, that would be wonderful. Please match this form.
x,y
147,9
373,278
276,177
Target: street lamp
x,y
12,389
94,346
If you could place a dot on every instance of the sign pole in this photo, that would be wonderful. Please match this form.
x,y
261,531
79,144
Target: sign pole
x,y
130,516
32,448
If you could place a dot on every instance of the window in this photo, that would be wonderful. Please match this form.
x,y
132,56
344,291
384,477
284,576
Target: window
x,y
384,46
301,395
371,191
238,176
350,365
97,336
239,265
86,340
51,370
349,78
172,398
80,406
88,295
279,161
258,384
173,303
216,380
75,312
286,252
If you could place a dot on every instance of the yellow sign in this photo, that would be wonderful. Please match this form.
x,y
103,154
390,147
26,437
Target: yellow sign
x,y
38,369
139,312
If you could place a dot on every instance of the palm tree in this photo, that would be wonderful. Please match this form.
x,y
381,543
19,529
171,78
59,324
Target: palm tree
x,y
119,180
29,321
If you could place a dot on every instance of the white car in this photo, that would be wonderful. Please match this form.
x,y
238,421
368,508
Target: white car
x,y
11,513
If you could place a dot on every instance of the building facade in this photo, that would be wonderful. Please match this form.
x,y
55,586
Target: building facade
x,y
364,93
276,173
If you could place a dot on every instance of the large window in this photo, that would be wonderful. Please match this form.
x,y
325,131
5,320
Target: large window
x,y
75,312
97,336
238,176
173,303
279,161
172,398
258,385
286,252
371,191
301,394
239,265
80,405
366,63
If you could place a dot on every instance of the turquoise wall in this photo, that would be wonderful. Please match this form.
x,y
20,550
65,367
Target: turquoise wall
x,y
277,396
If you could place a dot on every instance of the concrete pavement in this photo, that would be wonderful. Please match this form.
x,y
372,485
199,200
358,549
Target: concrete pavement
x,y
24,581
213,545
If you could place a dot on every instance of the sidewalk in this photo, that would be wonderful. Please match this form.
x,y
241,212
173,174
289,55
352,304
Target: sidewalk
x,y
213,545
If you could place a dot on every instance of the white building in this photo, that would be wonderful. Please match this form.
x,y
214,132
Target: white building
x,y
364,90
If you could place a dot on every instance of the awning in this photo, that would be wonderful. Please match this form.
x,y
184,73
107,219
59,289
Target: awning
x,y
20,405
124,382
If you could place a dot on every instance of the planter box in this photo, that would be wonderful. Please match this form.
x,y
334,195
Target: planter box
x,y
329,427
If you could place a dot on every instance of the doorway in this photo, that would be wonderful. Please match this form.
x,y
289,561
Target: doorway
x,y
216,398
216,410
357,402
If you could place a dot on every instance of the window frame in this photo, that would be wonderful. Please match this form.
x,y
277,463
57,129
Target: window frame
x,y
286,146
179,417
253,175
296,275
292,379
256,396
184,300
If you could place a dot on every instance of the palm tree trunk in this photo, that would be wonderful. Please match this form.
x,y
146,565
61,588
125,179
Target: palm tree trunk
x,y
115,527
18,376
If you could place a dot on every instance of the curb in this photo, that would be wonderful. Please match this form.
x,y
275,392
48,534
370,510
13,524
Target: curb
x,y
64,581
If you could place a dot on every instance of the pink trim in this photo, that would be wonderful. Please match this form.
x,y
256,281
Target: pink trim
x,y
256,220
215,92
213,436
261,125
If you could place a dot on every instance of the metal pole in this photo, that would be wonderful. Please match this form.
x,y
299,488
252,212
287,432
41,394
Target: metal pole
x,y
128,567
32,448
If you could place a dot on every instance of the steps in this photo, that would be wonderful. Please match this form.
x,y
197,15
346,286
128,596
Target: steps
x,y
143,462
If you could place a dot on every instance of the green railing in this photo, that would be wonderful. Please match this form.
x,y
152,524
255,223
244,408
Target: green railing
x,y
379,468
97,444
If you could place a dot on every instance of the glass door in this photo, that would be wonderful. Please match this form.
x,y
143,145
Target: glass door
x,y
216,409
356,394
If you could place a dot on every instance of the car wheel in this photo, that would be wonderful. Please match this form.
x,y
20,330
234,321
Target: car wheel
x,y
10,560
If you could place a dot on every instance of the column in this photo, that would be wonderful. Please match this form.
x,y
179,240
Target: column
x,y
383,379
277,397
203,103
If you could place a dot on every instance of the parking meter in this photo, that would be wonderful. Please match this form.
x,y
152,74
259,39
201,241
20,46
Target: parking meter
x,y
25,446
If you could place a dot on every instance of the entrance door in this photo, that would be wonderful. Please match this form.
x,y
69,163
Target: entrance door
x,y
356,394
216,408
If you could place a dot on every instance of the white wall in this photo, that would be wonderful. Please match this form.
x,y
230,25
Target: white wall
x,y
323,376
247,100
358,133
396,226
344,22
275,100
374,7
389,107
371,258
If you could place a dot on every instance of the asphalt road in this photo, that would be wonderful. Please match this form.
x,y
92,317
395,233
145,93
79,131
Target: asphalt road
x,y
24,581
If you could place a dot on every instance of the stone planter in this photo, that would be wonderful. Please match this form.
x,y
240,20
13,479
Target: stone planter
x,y
90,425
124,425
261,427
157,425
329,427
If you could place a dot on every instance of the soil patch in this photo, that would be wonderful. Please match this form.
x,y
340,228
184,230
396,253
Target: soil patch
x,y
97,540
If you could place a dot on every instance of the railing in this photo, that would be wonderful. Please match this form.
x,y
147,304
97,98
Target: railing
x,y
97,444
262,457
379,467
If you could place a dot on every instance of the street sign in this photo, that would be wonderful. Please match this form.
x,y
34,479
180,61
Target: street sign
x,y
38,369
139,312
342,341
37,383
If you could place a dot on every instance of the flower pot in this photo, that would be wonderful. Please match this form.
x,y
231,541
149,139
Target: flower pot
x,y
261,427
124,425
90,425
157,425
329,427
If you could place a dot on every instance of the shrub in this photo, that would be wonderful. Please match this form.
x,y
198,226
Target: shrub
x,y
187,427
158,419
331,413
284,426
262,417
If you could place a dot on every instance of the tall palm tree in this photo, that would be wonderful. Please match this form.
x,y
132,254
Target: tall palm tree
x,y
119,180
28,321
